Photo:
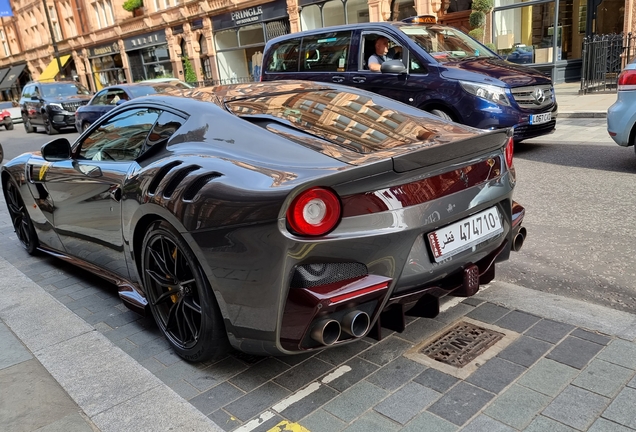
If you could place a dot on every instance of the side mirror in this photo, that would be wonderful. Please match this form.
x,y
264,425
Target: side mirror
x,y
57,150
120,101
393,66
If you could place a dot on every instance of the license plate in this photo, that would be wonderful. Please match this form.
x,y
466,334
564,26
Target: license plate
x,y
466,233
540,118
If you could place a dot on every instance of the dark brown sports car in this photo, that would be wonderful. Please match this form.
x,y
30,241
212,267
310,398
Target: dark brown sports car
x,y
273,217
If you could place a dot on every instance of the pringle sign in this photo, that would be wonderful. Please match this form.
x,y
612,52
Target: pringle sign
x,y
247,16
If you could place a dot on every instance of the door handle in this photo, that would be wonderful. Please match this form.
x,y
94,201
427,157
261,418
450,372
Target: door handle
x,y
358,79
337,78
115,193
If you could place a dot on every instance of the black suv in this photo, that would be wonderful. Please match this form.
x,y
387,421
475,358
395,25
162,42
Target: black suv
x,y
52,105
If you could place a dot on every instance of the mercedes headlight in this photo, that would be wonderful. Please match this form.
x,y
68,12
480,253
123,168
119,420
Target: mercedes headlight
x,y
485,91
56,107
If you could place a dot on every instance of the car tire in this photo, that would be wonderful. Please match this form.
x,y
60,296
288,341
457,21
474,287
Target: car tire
x,y
9,125
441,113
85,126
1,153
48,127
190,317
22,224
27,125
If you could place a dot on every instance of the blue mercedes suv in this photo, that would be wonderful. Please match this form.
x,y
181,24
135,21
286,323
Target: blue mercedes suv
x,y
427,65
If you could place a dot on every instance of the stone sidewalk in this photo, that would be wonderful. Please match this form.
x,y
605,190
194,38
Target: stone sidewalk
x,y
574,105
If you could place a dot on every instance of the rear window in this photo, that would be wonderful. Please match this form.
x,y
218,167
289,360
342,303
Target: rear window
x,y
6,105
64,89
350,120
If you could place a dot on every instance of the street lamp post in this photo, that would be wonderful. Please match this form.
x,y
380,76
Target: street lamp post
x,y
55,51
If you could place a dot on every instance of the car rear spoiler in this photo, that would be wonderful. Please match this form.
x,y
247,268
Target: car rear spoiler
x,y
460,150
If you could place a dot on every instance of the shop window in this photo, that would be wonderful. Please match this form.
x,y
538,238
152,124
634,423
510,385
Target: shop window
x,y
311,17
276,28
203,44
284,57
155,54
226,39
526,34
251,35
325,52
402,9
357,11
459,6
333,13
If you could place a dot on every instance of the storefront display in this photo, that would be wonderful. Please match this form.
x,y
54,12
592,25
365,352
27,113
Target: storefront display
x,y
148,56
320,13
106,65
240,37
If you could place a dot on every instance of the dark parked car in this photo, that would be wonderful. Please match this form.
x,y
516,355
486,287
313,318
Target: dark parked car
x,y
284,217
433,67
52,105
110,97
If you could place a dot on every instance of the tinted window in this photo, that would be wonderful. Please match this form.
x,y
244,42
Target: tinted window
x,y
99,98
121,137
6,105
327,52
144,90
165,127
27,92
284,57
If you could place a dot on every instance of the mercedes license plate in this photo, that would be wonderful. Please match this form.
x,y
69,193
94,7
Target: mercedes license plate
x,y
466,233
540,118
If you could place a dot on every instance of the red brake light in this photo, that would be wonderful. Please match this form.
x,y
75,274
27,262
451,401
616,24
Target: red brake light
x,y
509,151
314,212
627,80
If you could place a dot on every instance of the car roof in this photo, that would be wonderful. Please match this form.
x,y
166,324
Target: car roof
x,y
345,27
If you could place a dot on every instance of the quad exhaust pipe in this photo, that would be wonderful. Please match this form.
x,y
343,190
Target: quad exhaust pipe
x,y
327,331
518,239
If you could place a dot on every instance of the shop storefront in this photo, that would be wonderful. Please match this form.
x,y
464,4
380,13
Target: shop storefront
x,y
240,37
106,65
319,13
524,32
15,79
148,56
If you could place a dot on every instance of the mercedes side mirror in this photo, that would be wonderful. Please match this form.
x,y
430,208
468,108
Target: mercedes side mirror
x,y
57,150
393,66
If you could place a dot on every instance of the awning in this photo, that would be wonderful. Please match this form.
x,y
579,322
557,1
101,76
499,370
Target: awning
x,y
13,75
52,70
3,73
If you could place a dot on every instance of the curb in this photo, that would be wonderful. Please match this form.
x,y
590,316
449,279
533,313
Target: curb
x,y
582,114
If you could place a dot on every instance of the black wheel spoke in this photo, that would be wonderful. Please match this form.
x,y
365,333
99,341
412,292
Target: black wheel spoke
x,y
171,315
191,326
159,279
190,303
165,296
178,315
161,264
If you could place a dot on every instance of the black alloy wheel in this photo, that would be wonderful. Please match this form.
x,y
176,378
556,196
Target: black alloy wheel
x,y
180,296
1,153
20,218
27,124
48,127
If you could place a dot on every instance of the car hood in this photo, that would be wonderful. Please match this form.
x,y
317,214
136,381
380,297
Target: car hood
x,y
487,70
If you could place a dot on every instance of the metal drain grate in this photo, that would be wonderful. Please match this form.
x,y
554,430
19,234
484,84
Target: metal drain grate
x,y
460,345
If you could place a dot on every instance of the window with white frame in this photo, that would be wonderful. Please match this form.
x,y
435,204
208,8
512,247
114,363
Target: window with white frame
x,y
5,45
103,13
57,31
35,33
165,4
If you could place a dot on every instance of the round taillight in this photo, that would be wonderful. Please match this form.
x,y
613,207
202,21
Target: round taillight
x,y
509,151
314,212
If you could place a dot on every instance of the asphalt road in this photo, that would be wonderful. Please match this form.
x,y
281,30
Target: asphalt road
x,y
579,192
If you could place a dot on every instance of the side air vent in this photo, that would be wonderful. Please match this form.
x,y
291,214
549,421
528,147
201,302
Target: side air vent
x,y
160,176
177,179
198,184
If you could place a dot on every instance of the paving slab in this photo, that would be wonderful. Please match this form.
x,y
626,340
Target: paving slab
x,y
460,403
517,406
548,377
484,423
575,352
621,410
604,378
576,407
355,401
496,374
620,352
405,403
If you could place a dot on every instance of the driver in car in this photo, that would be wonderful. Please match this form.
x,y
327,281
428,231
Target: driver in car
x,y
383,53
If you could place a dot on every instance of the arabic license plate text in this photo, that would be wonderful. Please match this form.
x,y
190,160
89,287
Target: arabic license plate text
x,y
540,118
466,233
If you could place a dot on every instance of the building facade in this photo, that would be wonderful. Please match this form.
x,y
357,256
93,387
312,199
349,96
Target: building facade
x,y
99,43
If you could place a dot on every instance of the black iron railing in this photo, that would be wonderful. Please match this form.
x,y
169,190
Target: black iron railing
x,y
604,56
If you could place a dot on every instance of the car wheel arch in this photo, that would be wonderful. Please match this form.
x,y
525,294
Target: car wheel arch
x,y
438,105
159,214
